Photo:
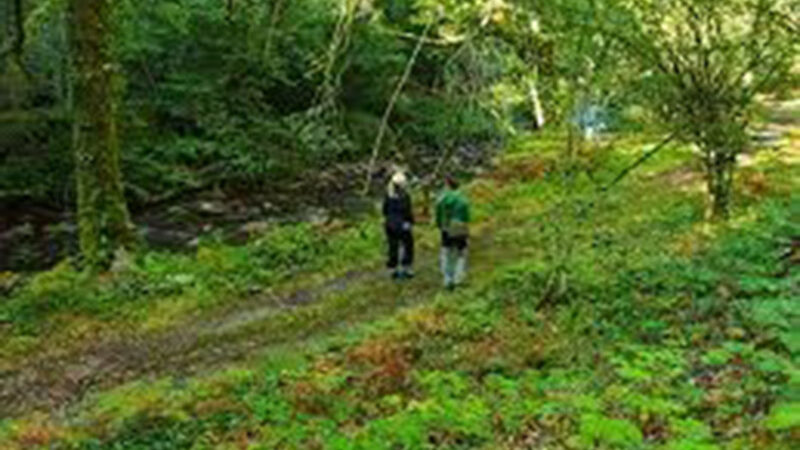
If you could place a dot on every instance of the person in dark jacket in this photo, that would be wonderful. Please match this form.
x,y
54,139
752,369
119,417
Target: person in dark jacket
x,y
399,221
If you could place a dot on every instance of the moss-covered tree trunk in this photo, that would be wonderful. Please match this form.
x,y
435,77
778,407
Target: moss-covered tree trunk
x,y
103,219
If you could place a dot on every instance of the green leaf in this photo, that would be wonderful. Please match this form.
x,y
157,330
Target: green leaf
x,y
791,339
618,433
691,430
717,357
769,362
784,416
689,444
773,313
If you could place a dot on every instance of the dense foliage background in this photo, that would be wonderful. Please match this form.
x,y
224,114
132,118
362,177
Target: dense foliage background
x,y
248,93
632,168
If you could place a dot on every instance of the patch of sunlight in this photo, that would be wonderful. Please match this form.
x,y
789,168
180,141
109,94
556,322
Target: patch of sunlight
x,y
16,346
287,358
425,319
76,329
167,396
115,406
483,227
786,154
744,218
227,379
791,153
694,241
636,150
166,312
483,190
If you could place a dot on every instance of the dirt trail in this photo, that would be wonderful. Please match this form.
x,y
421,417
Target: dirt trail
x,y
55,382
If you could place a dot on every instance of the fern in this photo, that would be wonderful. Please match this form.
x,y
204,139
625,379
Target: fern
x,y
617,433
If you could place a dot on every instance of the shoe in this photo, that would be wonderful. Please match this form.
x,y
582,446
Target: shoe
x,y
397,275
407,274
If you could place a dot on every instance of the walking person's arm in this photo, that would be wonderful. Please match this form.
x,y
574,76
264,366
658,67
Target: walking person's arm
x,y
385,207
409,210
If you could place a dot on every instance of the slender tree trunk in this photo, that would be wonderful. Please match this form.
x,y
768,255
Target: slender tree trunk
x,y
103,218
387,114
719,178
536,105
16,37
230,9
64,84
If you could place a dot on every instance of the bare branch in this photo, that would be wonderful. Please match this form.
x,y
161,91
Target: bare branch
x,y
441,42
392,101
641,161
751,93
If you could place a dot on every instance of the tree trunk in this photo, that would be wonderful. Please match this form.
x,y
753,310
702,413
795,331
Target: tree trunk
x,y
536,105
16,36
719,178
103,218
229,11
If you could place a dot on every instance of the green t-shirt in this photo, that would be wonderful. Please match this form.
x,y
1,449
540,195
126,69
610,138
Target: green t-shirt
x,y
452,213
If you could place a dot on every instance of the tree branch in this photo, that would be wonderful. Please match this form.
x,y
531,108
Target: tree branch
x,y
441,42
641,161
390,107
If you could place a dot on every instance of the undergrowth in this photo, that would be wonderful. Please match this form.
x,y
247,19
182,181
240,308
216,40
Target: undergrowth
x,y
159,283
610,321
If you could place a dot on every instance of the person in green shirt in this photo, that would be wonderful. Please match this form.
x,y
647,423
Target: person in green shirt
x,y
452,219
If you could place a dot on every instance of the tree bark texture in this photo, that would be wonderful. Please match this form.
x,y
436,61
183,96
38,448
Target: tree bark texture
x,y
103,218
720,166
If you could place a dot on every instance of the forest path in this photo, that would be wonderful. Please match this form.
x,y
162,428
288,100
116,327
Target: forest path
x,y
249,329
245,332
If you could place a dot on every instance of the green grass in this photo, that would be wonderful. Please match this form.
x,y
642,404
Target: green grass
x,y
157,290
592,320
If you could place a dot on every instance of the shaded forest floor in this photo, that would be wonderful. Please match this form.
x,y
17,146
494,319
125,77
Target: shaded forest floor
x,y
35,236
610,320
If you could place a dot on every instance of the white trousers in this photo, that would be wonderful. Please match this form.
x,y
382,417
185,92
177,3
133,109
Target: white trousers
x,y
453,263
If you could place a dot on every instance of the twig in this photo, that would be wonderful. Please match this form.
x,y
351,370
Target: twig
x,y
640,161
430,41
325,97
390,107
275,17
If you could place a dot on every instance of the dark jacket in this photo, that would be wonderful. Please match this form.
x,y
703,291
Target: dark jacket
x,y
397,211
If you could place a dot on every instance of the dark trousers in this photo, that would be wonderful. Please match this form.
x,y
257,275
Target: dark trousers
x,y
457,242
400,239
